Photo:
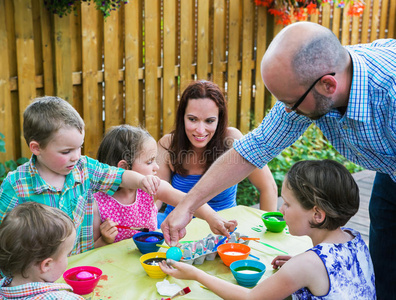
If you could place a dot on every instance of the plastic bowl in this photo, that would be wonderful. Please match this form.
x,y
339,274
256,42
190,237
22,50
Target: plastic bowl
x,y
147,246
272,222
154,271
231,252
247,272
82,287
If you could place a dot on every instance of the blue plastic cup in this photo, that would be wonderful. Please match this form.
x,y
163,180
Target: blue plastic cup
x,y
247,272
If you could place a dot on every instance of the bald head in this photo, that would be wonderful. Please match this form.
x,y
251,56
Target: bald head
x,y
303,52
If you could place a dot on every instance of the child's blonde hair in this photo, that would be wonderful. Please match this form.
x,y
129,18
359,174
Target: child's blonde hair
x,y
45,116
31,233
123,142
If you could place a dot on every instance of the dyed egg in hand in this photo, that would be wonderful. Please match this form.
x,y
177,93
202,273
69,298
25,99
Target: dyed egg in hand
x,y
174,253
84,275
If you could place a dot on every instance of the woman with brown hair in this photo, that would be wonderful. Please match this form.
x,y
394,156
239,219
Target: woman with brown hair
x,y
200,136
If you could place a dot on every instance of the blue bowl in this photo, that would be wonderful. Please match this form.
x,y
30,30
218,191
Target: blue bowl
x,y
247,272
147,242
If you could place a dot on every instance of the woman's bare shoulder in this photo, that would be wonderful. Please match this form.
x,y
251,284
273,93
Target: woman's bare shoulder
x,y
234,133
165,141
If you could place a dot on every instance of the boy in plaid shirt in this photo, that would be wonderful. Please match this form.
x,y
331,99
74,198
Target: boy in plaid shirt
x,y
57,175
35,240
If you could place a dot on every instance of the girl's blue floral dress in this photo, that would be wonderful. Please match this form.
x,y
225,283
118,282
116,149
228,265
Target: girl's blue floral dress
x,y
350,270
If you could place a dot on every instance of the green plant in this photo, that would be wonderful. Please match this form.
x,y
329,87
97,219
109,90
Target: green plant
x,y
311,145
9,165
65,7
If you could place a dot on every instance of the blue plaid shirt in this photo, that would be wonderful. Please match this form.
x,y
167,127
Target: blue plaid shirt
x,y
365,134
76,198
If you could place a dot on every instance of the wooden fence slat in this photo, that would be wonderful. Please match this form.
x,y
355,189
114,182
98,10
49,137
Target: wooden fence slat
x,y
315,17
152,61
186,41
234,26
133,61
219,42
392,21
383,19
247,48
346,20
13,69
48,60
260,104
365,22
203,40
355,30
25,57
375,21
63,62
170,52
92,113
6,124
336,21
326,15
37,33
76,58
113,103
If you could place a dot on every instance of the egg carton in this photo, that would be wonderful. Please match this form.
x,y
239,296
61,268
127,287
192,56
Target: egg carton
x,y
199,251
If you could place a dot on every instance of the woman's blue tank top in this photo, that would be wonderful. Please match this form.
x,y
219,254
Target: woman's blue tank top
x,y
225,199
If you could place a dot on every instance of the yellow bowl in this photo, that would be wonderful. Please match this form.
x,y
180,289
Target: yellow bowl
x,y
154,271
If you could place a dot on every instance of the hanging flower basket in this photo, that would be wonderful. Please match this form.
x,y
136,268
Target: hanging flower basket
x,y
299,10
65,7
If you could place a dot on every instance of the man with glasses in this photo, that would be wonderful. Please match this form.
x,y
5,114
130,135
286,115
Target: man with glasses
x,y
350,94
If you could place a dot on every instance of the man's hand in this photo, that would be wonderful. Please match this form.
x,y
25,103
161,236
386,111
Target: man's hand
x,y
174,226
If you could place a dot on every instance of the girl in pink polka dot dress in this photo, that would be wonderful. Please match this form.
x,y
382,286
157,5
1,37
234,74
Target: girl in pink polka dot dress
x,y
133,148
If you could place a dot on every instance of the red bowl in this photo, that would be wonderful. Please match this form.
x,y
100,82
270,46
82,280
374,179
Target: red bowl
x,y
82,287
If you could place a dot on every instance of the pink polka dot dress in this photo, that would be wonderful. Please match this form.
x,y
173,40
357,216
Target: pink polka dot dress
x,y
141,213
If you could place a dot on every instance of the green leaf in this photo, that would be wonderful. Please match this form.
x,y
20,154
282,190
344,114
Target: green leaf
x,y
11,165
22,160
2,170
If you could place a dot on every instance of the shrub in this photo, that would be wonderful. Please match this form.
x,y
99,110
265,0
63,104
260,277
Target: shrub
x,y
9,165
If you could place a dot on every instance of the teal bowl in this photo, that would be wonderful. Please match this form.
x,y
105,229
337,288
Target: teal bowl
x,y
247,272
274,221
147,242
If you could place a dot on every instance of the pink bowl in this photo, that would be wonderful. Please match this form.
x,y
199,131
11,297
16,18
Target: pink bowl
x,y
82,287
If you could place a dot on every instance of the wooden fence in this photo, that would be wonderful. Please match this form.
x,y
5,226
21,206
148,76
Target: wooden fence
x,y
131,67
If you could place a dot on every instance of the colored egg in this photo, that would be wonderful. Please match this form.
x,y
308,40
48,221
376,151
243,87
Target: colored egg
x,y
84,275
275,219
174,253
152,239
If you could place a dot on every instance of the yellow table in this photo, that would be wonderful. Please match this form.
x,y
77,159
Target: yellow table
x,y
124,278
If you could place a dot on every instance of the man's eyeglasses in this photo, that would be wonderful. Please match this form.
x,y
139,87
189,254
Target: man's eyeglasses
x,y
299,101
